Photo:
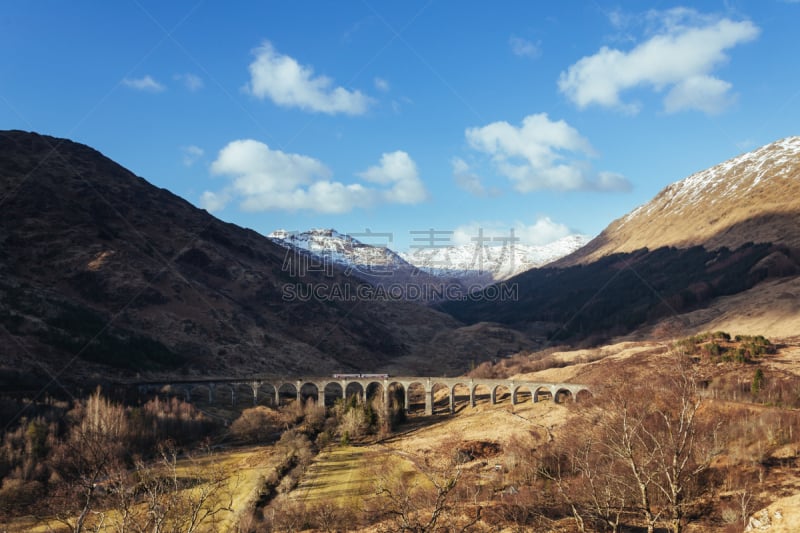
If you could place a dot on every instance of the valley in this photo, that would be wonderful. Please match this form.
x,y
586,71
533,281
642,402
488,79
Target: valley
x,y
160,371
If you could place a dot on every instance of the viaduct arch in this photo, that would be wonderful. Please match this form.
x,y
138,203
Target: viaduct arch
x,y
228,390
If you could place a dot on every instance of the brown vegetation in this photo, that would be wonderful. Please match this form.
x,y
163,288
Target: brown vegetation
x,y
695,438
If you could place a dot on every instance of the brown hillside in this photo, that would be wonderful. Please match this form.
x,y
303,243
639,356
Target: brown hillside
x,y
102,273
754,197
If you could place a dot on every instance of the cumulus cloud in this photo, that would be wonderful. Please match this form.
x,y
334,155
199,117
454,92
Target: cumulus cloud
x,y
191,154
289,84
146,84
543,231
262,179
679,57
398,170
541,154
524,48
192,82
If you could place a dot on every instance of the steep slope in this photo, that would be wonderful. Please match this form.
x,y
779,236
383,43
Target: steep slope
x,y
102,273
717,233
754,197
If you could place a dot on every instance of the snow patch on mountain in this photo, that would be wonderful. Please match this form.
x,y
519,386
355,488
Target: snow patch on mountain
x,y
497,262
478,264
341,249
733,177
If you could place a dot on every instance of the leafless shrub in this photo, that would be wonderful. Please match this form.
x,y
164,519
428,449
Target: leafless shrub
x,y
257,424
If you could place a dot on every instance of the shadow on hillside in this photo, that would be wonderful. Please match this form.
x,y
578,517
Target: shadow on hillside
x,y
413,424
621,292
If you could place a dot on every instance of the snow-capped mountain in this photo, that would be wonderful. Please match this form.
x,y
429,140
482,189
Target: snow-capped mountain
x,y
754,197
343,250
476,261
473,265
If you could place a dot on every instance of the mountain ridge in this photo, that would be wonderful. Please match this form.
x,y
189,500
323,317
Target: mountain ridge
x,y
471,266
753,197
103,274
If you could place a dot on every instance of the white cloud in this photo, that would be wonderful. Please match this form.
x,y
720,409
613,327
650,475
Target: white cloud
x,y
382,85
287,83
191,154
259,172
265,179
541,232
524,48
703,93
541,154
399,170
193,82
680,57
321,196
212,201
146,83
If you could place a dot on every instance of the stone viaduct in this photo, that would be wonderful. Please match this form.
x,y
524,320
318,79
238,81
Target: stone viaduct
x,y
407,388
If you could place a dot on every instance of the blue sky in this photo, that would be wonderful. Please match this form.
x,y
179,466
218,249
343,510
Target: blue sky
x,y
545,117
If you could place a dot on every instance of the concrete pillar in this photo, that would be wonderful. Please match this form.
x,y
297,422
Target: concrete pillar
x,y
429,401
406,403
452,401
255,385
321,396
277,395
494,395
233,397
471,395
299,392
554,393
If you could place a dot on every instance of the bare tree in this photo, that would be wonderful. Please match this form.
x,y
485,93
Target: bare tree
x,y
416,503
556,468
655,432
624,439
181,499
89,455
600,483
680,455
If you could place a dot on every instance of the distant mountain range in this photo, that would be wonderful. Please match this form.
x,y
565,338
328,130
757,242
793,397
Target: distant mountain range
x,y
492,262
473,266
104,275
